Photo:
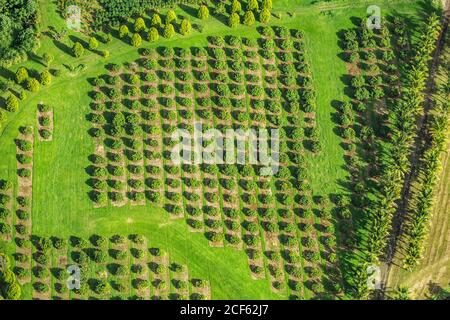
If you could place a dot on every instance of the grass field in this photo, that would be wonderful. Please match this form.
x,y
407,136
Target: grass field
x,y
61,206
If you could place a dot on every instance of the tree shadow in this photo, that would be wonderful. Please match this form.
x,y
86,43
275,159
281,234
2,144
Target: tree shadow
x,y
189,10
34,57
79,40
63,47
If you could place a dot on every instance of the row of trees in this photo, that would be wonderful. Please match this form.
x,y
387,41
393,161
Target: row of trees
x,y
365,49
395,162
9,287
421,205
247,17
113,12
156,28
23,78
396,138
5,212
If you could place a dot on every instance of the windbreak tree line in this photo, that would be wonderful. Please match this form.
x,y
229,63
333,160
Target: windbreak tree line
x,y
18,31
114,11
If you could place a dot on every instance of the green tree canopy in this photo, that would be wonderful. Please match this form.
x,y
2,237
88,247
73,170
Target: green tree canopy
x,y
93,43
185,27
139,25
169,31
203,12
77,49
136,40
249,18
123,31
234,20
21,75
153,34
156,20
45,77
171,16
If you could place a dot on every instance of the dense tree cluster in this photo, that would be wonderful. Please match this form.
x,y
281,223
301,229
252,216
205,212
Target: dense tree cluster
x,y
421,206
18,32
386,147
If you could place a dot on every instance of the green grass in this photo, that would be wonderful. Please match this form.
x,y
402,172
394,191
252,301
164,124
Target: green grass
x,y
61,206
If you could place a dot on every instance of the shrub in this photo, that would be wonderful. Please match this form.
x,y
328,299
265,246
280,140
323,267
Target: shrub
x,y
23,201
4,228
169,31
203,12
45,77
171,16
12,104
153,34
234,20
93,43
21,75
139,25
41,287
77,50
249,18
185,27
236,6
123,31
32,85
264,16
136,40
45,134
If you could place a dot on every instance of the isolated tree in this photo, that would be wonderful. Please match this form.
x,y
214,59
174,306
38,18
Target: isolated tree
x,y
171,16
21,75
203,12
153,34
93,43
123,31
12,104
156,21
136,40
48,58
105,53
234,20
77,50
32,85
169,31
252,5
249,18
185,27
45,77
139,25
